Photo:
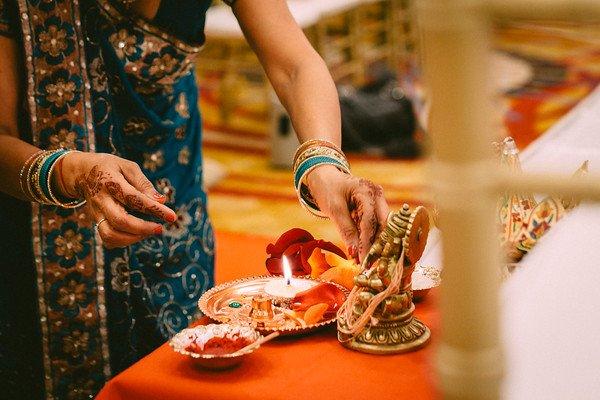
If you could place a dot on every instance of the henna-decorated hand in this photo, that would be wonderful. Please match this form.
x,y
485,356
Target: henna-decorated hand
x,y
355,205
113,186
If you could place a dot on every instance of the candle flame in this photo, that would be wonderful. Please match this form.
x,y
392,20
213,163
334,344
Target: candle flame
x,y
287,271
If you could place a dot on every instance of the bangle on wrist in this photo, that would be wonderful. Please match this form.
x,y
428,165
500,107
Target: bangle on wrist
x,y
36,180
315,143
57,166
25,187
310,155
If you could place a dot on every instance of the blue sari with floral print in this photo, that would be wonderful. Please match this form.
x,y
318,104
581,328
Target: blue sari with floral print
x,y
98,78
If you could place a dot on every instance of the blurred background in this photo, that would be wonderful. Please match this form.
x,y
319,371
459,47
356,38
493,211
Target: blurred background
x,y
539,72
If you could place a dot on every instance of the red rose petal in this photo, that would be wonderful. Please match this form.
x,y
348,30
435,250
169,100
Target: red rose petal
x,y
297,245
294,235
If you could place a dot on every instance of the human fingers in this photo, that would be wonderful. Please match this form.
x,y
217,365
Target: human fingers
x,y
136,178
365,219
339,213
134,200
382,209
124,222
112,238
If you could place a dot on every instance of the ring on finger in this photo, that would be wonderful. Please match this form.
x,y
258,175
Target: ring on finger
x,y
97,226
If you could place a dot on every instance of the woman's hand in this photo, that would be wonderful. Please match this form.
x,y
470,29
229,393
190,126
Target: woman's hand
x,y
355,205
113,186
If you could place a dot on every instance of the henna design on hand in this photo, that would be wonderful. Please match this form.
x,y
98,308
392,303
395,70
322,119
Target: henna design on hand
x,y
357,212
134,202
374,190
90,185
115,190
131,201
155,210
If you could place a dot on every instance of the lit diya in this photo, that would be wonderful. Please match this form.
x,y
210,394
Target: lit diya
x,y
287,287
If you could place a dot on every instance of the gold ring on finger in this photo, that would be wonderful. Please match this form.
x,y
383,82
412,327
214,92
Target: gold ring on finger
x,y
99,222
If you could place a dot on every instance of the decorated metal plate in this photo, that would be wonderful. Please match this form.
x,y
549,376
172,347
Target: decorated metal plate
x,y
237,303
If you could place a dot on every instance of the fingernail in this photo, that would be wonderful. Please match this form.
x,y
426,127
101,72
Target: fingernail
x,y
172,218
158,230
158,195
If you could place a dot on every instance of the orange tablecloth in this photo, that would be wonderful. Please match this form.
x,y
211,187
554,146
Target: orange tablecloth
x,y
308,368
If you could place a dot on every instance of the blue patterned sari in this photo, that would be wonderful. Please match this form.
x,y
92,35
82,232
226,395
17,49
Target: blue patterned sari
x,y
98,78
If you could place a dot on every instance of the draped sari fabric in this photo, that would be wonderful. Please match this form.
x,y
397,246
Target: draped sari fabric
x,y
97,78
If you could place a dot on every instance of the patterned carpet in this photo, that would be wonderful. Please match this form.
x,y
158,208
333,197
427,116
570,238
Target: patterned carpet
x,y
256,199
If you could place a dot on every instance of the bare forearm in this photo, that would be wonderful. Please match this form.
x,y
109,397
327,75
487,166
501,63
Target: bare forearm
x,y
295,70
13,154
310,97
306,89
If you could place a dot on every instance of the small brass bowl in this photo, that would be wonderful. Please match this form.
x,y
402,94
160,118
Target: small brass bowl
x,y
183,339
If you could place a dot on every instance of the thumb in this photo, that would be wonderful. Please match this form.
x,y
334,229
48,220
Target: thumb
x,y
340,215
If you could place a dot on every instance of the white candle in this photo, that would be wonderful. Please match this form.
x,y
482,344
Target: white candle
x,y
287,287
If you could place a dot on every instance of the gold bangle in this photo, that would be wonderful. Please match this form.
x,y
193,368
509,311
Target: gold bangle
x,y
34,181
72,204
310,149
315,142
303,191
321,151
37,153
33,178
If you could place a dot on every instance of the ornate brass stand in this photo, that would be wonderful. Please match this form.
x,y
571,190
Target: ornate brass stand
x,y
378,315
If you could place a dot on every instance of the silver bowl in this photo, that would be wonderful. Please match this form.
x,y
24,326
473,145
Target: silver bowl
x,y
181,340
424,279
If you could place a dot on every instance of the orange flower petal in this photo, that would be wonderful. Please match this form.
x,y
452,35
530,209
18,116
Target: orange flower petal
x,y
342,275
315,313
335,260
318,263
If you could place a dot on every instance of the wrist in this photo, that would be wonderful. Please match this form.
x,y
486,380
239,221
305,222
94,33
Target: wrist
x,y
317,165
65,176
321,175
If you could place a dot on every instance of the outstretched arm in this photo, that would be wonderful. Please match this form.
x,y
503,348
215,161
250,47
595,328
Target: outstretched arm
x,y
306,89
298,74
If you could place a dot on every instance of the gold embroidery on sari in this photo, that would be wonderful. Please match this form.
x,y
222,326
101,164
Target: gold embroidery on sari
x,y
68,255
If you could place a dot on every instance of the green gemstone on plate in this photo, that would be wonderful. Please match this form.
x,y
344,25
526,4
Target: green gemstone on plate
x,y
235,304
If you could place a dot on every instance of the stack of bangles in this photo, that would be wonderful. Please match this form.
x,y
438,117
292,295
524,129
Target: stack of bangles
x,y
36,178
310,155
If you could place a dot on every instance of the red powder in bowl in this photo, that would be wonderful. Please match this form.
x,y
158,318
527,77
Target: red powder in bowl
x,y
219,345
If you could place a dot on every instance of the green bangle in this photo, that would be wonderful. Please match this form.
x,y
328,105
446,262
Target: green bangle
x,y
44,178
302,190
33,179
311,163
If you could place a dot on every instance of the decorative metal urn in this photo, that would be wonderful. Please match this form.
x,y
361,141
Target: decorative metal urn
x,y
378,315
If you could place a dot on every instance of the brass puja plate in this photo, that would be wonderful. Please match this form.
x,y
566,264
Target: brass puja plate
x,y
231,303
